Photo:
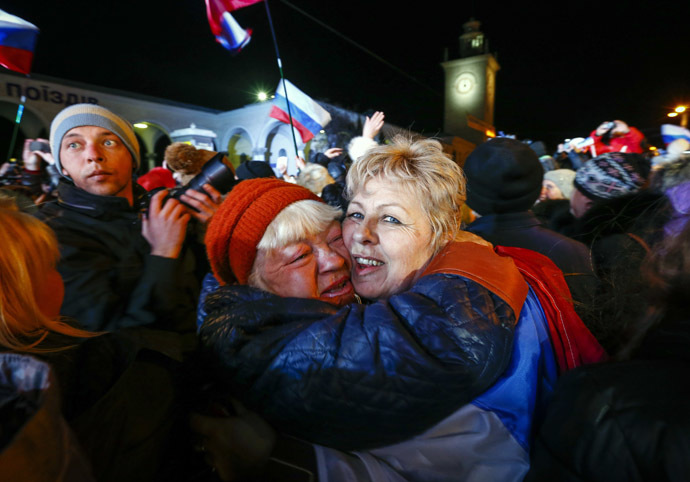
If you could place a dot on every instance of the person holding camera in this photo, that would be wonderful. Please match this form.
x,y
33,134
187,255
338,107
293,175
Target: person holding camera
x,y
122,268
31,177
616,136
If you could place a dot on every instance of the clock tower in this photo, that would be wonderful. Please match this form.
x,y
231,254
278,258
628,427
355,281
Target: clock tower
x,y
470,87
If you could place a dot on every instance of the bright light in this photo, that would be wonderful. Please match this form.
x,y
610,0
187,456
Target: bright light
x,y
322,131
680,109
141,125
262,96
489,133
672,114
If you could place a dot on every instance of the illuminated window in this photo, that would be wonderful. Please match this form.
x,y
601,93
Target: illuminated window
x,y
477,41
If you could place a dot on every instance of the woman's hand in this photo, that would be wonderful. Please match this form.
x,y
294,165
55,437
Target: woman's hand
x,y
373,126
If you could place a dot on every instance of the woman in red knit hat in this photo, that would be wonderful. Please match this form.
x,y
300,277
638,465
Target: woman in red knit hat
x,y
281,238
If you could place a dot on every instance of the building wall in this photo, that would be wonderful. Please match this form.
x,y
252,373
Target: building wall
x,y
247,128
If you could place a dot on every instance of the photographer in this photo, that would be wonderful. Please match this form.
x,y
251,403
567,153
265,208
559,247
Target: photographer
x,y
616,136
121,268
31,177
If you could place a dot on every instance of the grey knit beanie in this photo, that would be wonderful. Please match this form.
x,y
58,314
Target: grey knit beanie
x,y
563,178
79,115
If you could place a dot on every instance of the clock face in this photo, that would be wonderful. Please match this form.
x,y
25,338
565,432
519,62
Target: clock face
x,y
465,83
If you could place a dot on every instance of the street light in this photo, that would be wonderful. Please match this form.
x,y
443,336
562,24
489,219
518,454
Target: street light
x,y
682,110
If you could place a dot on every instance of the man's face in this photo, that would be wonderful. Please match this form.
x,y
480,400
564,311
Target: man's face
x,y
97,161
316,267
579,203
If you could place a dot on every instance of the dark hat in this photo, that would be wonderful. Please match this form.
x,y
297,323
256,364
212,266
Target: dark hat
x,y
503,176
612,174
253,170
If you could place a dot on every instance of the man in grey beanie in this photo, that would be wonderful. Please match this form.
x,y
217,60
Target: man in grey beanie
x,y
121,268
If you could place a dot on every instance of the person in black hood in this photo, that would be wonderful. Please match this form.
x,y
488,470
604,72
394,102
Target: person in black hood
x,y
504,180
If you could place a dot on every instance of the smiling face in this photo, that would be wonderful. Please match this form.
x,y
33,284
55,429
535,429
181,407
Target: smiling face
x,y
97,161
317,266
389,238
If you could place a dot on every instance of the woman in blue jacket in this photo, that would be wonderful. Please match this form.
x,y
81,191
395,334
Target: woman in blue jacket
x,y
431,379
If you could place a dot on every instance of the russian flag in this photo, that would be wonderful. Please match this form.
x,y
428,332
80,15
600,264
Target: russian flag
x,y
17,43
671,132
224,27
308,117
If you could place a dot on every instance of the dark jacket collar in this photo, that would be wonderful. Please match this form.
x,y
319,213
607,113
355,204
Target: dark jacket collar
x,y
522,219
76,199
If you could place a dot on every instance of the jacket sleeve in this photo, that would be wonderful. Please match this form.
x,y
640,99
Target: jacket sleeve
x,y
98,298
372,374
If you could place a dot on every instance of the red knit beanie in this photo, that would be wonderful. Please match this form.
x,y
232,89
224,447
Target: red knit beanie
x,y
241,221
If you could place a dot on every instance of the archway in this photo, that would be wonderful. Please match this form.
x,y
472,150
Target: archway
x,y
153,140
280,139
239,148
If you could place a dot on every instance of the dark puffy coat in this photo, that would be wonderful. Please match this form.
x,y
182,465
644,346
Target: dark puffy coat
x,y
111,279
372,375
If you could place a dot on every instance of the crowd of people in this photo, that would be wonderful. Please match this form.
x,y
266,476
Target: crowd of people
x,y
388,314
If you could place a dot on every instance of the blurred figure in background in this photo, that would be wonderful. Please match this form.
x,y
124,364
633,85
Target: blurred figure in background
x,y
504,180
557,184
629,420
616,136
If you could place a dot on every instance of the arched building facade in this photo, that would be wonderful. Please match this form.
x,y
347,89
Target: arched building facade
x,y
245,133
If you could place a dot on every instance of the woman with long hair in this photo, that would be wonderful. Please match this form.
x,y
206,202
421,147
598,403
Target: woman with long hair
x,y
32,290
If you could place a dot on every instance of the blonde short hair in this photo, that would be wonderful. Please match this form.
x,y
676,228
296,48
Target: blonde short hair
x,y
426,172
297,221
29,250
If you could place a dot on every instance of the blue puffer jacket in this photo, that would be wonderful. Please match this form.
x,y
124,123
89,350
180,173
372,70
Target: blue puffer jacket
x,y
359,376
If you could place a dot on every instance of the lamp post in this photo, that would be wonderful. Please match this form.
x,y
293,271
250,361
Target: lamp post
x,y
683,112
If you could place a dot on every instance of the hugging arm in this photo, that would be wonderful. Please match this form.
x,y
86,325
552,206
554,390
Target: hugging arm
x,y
365,372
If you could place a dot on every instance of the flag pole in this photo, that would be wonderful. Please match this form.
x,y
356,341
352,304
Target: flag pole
x,y
17,120
280,68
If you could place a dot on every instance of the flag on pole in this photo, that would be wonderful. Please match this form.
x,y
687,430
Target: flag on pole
x,y
224,27
671,132
308,117
17,42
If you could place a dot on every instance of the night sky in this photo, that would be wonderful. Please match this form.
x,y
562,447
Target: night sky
x,y
564,69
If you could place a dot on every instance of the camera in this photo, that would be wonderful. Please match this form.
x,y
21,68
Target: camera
x,y
216,172
39,146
